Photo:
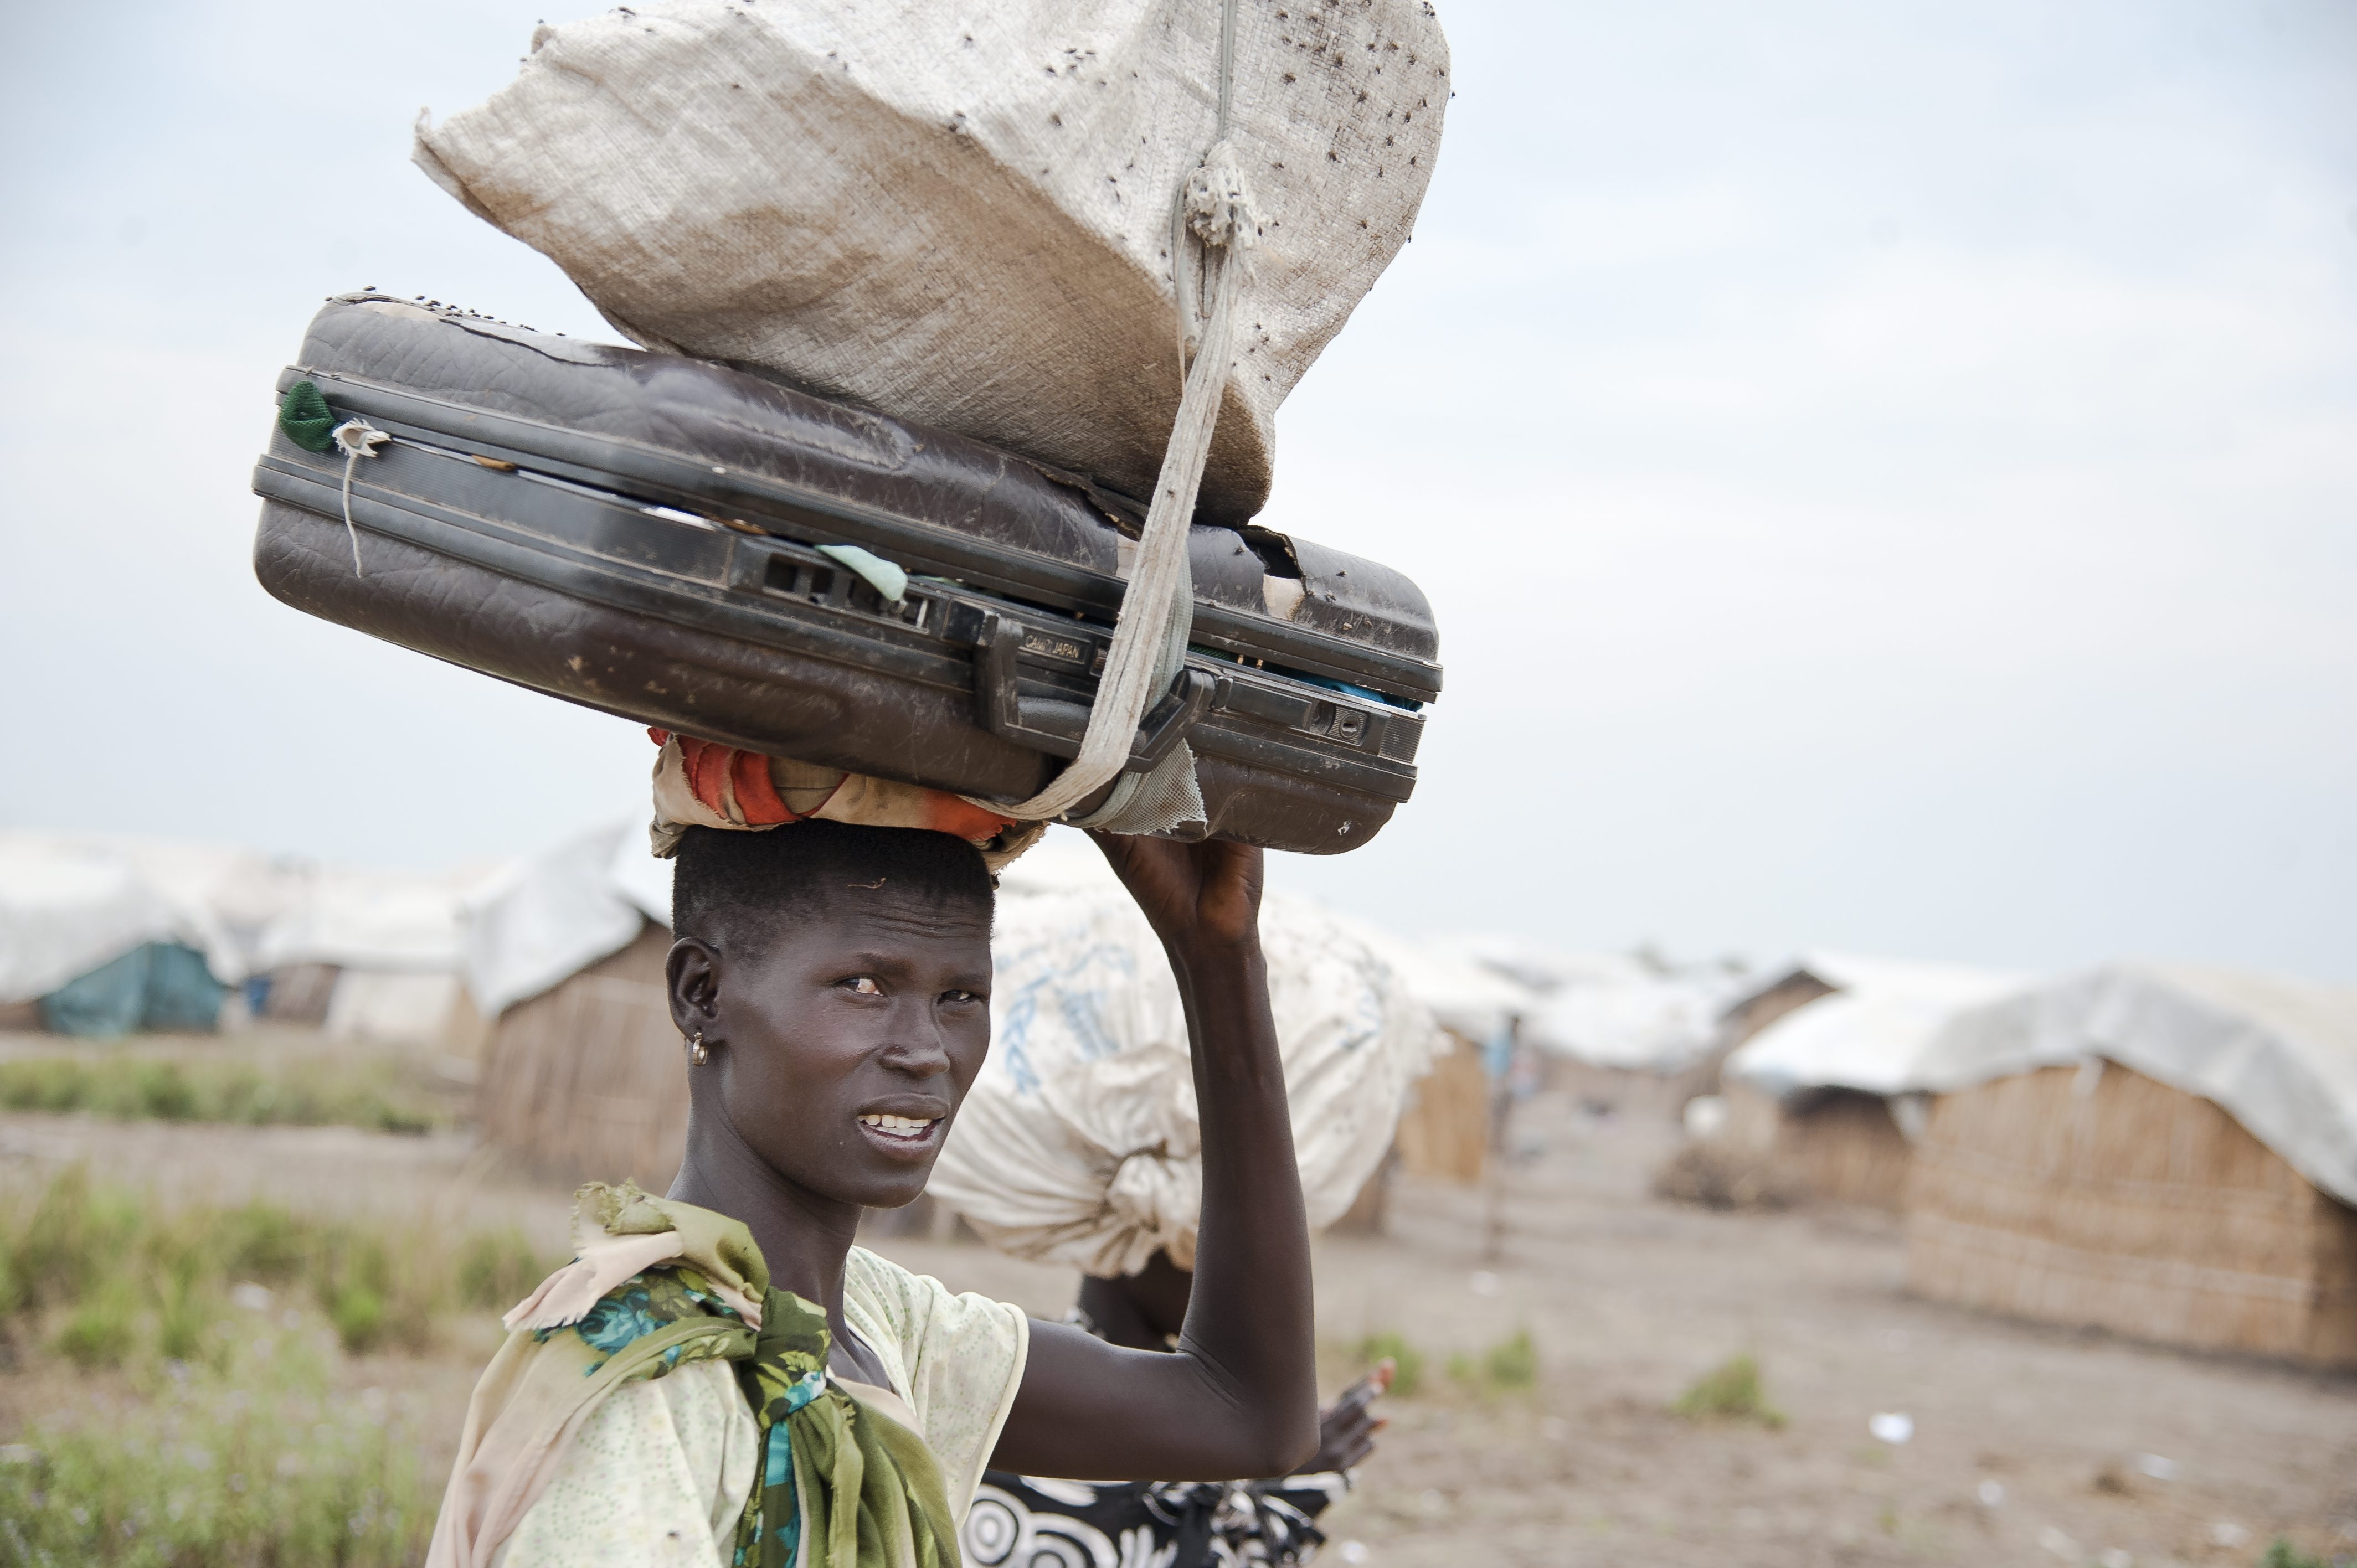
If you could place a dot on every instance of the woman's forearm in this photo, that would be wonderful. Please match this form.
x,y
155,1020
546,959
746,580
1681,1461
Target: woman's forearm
x,y
1251,1321
1240,1398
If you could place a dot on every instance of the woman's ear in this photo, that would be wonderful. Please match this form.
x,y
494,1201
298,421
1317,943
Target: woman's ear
x,y
692,976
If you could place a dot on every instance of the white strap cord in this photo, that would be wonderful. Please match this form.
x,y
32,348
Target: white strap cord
x,y
1214,208
359,439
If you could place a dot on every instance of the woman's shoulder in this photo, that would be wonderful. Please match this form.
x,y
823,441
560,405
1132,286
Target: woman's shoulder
x,y
956,1356
886,1289
917,1307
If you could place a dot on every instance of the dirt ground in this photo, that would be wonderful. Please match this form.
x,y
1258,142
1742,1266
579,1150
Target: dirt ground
x,y
2030,1445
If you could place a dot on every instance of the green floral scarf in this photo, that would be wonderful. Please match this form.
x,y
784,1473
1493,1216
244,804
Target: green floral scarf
x,y
841,1485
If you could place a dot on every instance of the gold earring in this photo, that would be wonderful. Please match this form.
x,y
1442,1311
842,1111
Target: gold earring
x,y
698,1053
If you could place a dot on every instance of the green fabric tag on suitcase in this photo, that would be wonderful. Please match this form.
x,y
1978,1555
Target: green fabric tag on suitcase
x,y
306,417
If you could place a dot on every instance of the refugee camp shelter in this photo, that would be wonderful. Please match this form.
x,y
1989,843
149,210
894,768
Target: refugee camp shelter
x,y
1753,1005
1748,1004
2168,1153
104,935
581,1071
1793,986
1625,1033
386,944
1448,1125
1824,1102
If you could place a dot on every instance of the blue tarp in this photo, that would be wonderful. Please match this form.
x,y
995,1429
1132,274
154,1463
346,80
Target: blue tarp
x,y
159,985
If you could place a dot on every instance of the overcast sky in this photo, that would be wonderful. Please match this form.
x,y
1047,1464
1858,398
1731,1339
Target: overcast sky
x,y
1886,473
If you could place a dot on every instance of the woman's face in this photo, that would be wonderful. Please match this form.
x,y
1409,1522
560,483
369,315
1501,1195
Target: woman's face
x,y
842,1047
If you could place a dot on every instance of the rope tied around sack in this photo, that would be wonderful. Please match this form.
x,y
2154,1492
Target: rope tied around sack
x,y
1213,207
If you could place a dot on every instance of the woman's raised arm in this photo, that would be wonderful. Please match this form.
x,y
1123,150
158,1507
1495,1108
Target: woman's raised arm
x,y
1240,1397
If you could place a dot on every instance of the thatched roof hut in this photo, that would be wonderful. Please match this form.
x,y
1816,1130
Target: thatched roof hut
x,y
586,1079
1823,1104
582,1074
1751,1007
1445,1130
1625,1034
2168,1154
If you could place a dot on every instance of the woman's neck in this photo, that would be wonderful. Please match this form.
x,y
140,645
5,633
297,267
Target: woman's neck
x,y
804,1237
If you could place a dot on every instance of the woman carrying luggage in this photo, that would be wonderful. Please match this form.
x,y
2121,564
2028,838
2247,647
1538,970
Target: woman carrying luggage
x,y
722,1377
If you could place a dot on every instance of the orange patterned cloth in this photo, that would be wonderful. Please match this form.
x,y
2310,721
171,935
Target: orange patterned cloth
x,y
701,783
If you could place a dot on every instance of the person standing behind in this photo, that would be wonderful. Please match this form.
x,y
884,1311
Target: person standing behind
x,y
1024,1520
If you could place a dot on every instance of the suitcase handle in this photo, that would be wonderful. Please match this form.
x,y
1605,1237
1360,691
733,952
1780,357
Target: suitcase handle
x,y
1054,725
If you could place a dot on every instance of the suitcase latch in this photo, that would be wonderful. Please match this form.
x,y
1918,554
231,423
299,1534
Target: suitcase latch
x,y
1055,725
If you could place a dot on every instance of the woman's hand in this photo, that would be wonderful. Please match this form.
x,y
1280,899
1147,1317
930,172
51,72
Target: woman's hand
x,y
1346,1428
1203,899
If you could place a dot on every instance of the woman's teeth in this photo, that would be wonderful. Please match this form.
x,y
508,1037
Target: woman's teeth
x,y
904,1126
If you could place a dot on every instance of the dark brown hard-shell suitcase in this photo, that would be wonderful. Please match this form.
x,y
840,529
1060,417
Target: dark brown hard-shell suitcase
x,y
640,533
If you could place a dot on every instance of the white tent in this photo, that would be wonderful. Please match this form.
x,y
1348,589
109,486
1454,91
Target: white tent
x,y
1547,970
1468,998
1872,1034
1610,1010
70,903
2276,1054
397,939
369,919
554,915
1820,1103
1641,1021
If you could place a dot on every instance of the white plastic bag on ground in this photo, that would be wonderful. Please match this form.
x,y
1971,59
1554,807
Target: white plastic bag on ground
x,y
961,213
1080,1142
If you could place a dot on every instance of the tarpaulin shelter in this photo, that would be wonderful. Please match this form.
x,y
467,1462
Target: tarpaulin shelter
x,y
582,1074
393,941
1821,1104
2166,1152
106,934
1619,1032
1451,1120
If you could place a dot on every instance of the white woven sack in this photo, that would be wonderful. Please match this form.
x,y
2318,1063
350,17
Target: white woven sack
x,y
960,214
1080,1143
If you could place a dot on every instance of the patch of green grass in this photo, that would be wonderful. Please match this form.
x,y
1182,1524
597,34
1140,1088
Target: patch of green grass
x,y
358,1313
1513,1362
1731,1390
223,1439
59,1253
115,1274
185,1311
1511,1366
268,1465
262,1242
1407,1370
497,1268
304,1092
2282,1553
99,1328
